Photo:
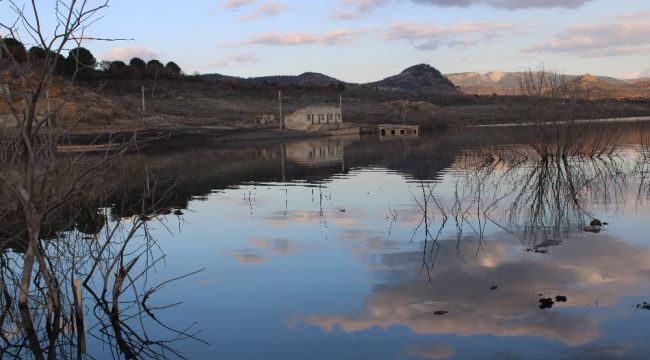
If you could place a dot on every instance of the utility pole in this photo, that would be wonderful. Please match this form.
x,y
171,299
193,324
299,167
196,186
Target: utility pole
x,y
281,116
341,106
143,104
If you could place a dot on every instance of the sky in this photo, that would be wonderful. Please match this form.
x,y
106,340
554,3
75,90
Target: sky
x,y
367,40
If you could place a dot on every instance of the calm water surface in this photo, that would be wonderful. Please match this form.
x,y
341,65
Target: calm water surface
x,y
412,248
424,248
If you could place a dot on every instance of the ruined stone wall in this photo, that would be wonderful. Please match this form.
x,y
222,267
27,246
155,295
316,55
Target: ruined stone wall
x,y
314,118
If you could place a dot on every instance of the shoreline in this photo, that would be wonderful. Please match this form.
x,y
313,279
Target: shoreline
x,y
630,119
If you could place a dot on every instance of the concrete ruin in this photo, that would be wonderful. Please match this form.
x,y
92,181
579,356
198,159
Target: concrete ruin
x,y
389,131
264,121
315,118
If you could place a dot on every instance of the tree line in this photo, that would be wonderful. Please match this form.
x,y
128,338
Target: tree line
x,y
81,62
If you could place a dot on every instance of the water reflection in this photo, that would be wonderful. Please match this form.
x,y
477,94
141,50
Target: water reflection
x,y
583,270
334,248
104,299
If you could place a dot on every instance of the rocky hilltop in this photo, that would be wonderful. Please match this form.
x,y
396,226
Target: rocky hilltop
x,y
420,79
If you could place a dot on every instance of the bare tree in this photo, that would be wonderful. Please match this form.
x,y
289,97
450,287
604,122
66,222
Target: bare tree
x,y
38,183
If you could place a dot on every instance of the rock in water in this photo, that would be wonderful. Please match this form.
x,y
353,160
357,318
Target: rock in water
x,y
546,303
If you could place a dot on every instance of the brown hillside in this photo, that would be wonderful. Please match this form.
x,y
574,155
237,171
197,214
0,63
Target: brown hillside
x,y
86,109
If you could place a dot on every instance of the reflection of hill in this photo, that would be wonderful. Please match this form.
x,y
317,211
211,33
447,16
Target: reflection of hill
x,y
196,172
199,171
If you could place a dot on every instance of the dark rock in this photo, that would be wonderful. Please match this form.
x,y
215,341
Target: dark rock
x,y
560,298
441,312
494,287
546,303
643,306
596,222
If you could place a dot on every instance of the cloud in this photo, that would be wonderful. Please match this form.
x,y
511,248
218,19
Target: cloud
x,y
364,7
506,4
335,37
239,59
582,269
435,352
218,64
464,34
267,9
638,74
263,250
249,258
128,53
361,8
245,58
279,247
234,4
621,36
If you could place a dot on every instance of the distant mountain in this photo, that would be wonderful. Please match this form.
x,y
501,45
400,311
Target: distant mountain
x,y
420,79
425,80
306,79
639,80
502,83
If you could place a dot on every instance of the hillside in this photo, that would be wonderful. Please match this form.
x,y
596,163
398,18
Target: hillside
x,y
507,83
418,79
217,102
308,79
79,106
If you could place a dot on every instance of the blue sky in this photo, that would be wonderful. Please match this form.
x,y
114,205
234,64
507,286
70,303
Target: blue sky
x,y
366,40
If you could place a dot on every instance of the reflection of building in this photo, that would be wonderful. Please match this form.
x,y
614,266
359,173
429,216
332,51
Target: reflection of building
x,y
389,131
315,118
316,152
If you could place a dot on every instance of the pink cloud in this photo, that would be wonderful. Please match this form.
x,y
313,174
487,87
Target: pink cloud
x,y
128,53
234,4
335,37
268,9
464,34
624,35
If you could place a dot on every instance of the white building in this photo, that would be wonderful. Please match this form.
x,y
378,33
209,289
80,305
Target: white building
x,y
315,118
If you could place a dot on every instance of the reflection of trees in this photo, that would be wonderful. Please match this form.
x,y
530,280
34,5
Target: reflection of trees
x,y
108,262
545,197
533,197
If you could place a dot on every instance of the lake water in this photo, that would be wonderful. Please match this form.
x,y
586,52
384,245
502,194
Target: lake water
x,y
434,247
